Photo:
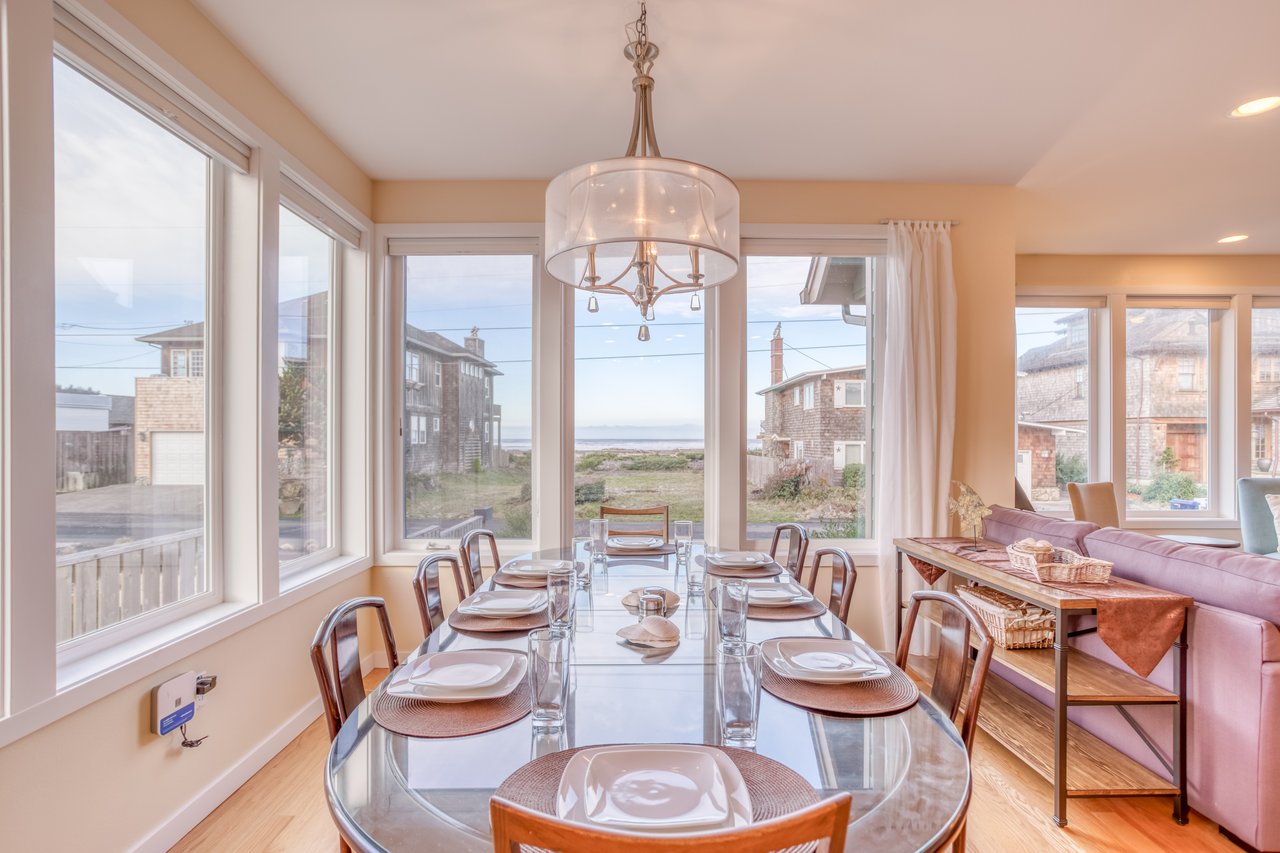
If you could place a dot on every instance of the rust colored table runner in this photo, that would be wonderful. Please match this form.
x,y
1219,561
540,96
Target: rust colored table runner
x,y
1138,622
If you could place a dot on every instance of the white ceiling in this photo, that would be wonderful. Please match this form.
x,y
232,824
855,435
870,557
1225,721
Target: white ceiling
x,y
1112,116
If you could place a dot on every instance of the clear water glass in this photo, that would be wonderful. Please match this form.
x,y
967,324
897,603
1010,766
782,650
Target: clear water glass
x,y
581,557
683,532
695,572
695,618
738,693
731,605
560,596
549,676
599,539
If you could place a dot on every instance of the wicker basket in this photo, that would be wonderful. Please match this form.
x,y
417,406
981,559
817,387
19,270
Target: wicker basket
x,y
1013,623
1061,566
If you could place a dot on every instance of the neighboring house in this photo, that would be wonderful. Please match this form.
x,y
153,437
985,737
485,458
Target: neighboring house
x,y
450,417
94,435
1166,378
819,417
82,412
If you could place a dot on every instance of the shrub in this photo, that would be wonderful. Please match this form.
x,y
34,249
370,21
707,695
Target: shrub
x,y
517,520
854,476
476,466
786,484
1169,485
588,493
592,461
526,492
839,528
678,462
695,455
1168,460
1069,469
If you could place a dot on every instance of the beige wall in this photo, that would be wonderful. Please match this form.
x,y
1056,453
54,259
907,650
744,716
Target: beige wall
x,y
1210,273
99,780
190,38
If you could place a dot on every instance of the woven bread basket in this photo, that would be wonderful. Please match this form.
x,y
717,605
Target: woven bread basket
x,y
1013,623
1060,565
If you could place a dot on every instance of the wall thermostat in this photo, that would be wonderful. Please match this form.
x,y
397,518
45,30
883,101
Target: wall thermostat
x,y
173,703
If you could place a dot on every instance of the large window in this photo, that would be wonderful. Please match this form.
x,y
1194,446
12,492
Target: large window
x,y
304,363
639,409
131,244
468,321
1053,402
1265,420
1168,373
808,418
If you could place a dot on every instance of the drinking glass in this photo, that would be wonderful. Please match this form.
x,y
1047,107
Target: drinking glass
x,y
549,676
695,618
599,539
731,602
683,531
560,597
695,572
581,557
738,693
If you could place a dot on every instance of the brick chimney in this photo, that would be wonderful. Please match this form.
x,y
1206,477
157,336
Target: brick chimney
x,y
775,356
474,343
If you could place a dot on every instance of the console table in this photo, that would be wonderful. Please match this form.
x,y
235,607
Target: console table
x,y
1076,762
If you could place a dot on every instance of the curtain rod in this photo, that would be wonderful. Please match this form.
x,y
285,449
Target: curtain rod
x,y
952,222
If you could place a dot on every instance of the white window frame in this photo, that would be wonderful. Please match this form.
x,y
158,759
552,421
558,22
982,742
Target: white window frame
x,y
178,363
195,363
797,450
439,371
862,451
435,424
810,396
795,396
413,366
841,393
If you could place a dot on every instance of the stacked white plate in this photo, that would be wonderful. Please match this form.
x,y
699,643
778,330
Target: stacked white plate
x,y
635,543
769,594
535,568
505,603
740,559
823,660
464,676
654,788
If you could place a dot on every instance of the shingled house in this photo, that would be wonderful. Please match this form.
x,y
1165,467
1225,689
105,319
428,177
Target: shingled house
x,y
451,422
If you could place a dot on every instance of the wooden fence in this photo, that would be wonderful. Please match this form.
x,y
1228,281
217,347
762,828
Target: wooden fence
x,y
108,585
87,460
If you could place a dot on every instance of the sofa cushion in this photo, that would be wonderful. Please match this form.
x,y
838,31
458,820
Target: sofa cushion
x,y
1006,526
1246,583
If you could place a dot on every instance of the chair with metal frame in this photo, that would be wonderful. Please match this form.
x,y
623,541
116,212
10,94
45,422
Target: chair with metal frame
x,y
843,578
947,691
797,548
426,589
517,828
472,573
623,514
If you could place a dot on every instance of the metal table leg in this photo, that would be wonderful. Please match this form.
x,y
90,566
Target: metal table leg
x,y
1060,720
897,605
1180,727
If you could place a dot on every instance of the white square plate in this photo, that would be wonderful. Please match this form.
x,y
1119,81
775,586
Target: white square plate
x,y
461,669
634,543
403,683
740,558
535,568
823,660
503,603
771,594
655,788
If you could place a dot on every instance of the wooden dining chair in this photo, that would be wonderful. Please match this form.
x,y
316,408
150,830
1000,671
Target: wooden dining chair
x,y
472,553
843,578
338,672
957,621
426,589
1094,502
627,525
516,827
797,547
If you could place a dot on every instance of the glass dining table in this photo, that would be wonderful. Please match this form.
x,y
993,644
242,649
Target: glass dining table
x,y
908,772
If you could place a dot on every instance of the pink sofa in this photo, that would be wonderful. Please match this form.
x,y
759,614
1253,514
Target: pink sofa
x,y
1233,691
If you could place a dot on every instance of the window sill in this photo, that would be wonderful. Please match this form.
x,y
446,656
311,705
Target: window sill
x,y
95,676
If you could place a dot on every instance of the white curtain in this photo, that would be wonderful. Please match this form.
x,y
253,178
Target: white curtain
x,y
915,309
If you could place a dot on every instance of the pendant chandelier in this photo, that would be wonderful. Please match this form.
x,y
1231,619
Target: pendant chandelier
x,y
643,225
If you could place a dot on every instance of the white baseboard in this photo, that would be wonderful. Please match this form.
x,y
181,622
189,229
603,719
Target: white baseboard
x,y
171,831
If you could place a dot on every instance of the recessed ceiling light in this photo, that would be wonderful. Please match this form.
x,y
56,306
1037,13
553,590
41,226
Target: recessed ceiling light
x,y
1234,238
1260,105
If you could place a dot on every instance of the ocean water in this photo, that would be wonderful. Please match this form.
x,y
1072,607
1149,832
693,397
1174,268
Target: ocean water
x,y
587,445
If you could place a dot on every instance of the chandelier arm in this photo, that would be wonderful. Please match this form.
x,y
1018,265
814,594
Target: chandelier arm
x,y
636,120
650,133
668,276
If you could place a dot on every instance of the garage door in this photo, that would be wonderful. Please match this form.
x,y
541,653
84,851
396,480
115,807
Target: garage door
x,y
177,458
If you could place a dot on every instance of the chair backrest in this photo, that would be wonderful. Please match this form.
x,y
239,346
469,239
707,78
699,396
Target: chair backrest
x,y
797,548
426,589
843,578
472,552
516,827
626,519
1020,499
338,672
1095,502
947,691
1257,524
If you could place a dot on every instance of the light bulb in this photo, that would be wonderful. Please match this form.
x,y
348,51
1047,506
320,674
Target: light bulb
x,y
593,306
644,334
695,304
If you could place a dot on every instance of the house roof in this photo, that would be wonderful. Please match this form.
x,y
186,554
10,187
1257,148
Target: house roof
x,y
438,343
813,374
194,332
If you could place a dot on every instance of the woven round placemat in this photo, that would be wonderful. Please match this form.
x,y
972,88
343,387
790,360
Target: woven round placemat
x,y
792,612
423,718
470,622
771,570
859,699
502,578
774,788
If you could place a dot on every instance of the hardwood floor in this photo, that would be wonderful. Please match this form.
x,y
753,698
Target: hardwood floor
x,y
282,809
